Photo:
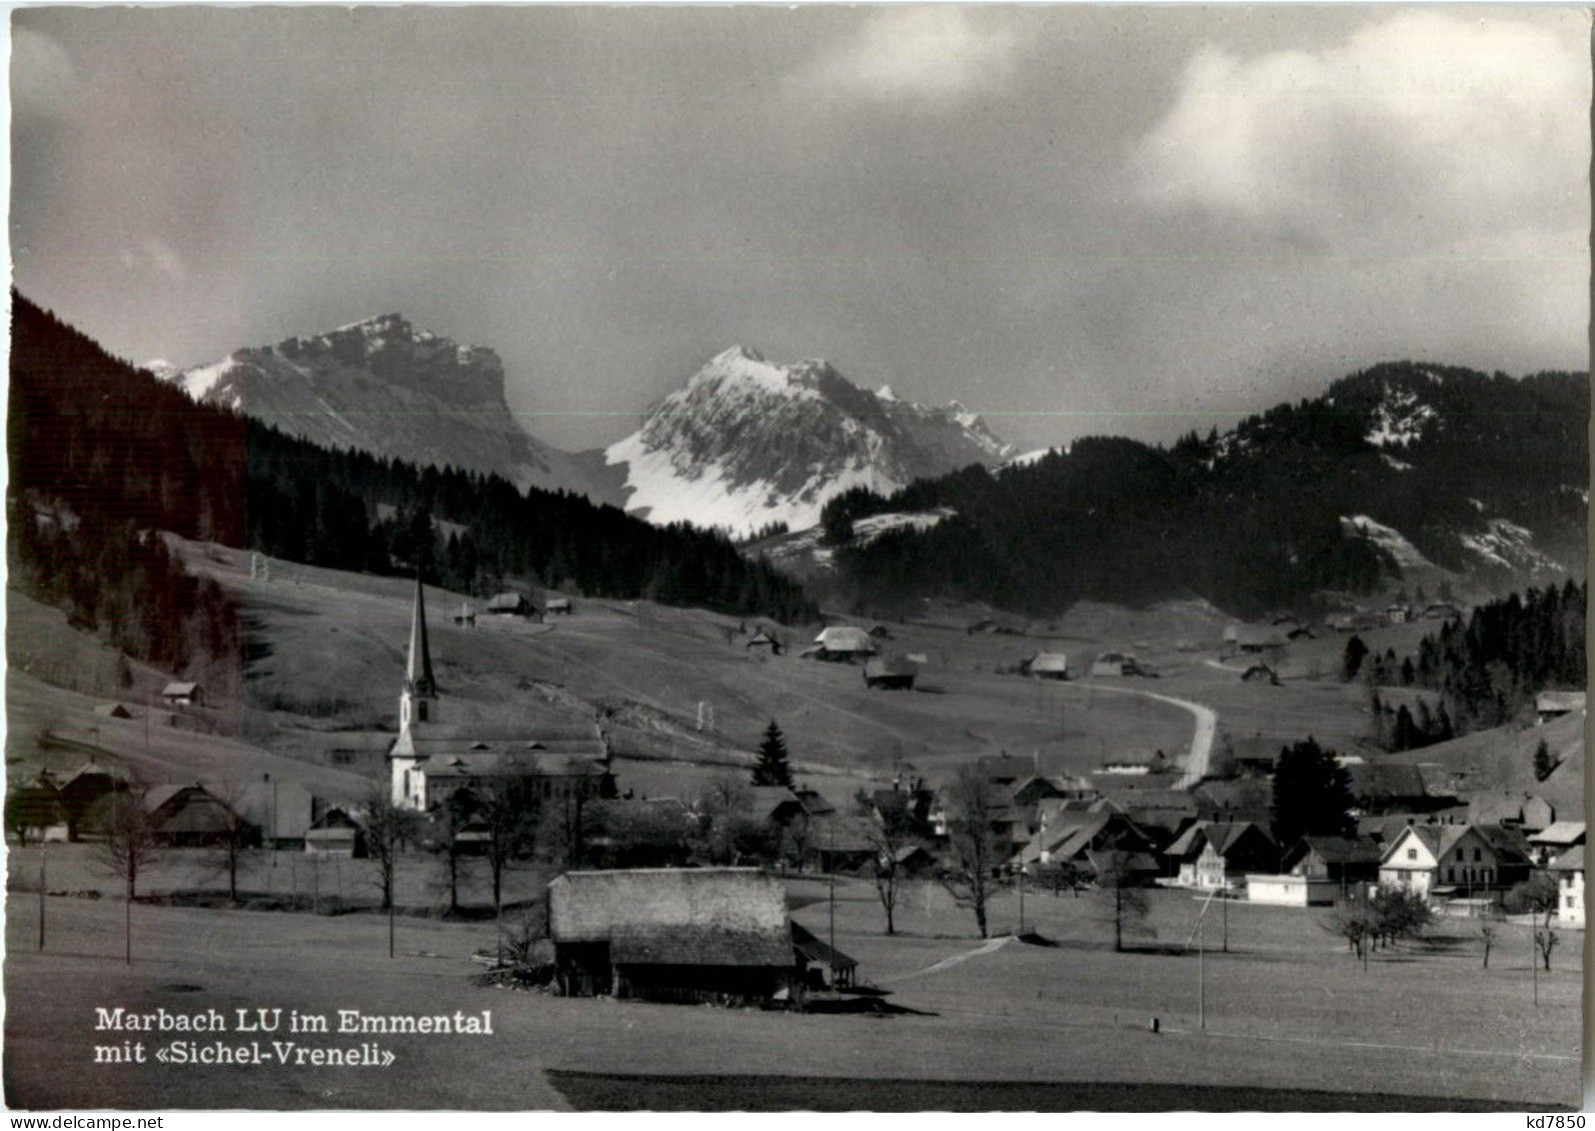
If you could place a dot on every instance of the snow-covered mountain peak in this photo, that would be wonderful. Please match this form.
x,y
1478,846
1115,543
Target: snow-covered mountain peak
x,y
748,441
886,393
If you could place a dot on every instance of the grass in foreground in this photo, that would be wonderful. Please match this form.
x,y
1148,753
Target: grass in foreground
x,y
602,1091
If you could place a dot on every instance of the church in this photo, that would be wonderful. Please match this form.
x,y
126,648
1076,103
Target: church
x,y
429,762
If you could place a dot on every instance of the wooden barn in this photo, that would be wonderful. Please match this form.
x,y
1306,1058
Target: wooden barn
x,y
509,605
1113,664
336,833
762,643
561,605
890,673
687,935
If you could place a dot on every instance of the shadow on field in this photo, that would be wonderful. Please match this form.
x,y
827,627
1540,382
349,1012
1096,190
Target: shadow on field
x,y
307,904
603,1091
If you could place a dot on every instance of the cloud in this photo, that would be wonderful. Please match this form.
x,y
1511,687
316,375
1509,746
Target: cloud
x,y
1424,127
938,53
154,255
43,77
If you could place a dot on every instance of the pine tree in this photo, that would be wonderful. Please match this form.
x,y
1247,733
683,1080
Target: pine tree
x,y
1543,762
1351,659
772,767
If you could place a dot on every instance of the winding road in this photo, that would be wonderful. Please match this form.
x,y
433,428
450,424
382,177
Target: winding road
x,y
1200,755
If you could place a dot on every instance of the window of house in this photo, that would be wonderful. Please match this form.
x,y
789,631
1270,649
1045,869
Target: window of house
x,y
420,710
1412,854
1477,855
1460,855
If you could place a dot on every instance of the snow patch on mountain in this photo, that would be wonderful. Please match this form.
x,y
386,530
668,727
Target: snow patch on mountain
x,y
1387,538
1393,463
1400,419
1510,546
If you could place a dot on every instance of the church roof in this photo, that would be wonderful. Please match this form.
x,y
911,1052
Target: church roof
x,y
418,671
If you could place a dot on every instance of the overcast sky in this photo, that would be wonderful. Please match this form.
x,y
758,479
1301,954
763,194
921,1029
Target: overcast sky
x,y
1073,219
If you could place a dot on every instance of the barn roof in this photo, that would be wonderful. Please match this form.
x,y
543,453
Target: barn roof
x,y
284,810
1335,850
499,602
1384,781
1570,861
1559,701
687,908
176,689
1049,662
1560,833
844,638
818,951
889,666
1222,835
557,603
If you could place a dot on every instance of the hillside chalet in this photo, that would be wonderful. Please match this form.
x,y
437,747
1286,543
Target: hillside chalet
x,y
842,643
1550,844
677,935
180,693
1047,665
429,763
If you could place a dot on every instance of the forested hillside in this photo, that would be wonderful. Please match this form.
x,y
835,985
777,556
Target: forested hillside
x,y
1479,474
102,454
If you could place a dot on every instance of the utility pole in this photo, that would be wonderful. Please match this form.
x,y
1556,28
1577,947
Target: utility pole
x,y
830,871
43,848
1021,899
391,901
1226,922
1534,956
1199,933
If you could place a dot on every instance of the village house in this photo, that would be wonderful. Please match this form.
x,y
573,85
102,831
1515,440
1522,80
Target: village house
x,y
1069,835
35,810
1552,842
1316,872
429,763
1549,705
1219,854
1569,872
559,606
684,935
1435,860
1525,812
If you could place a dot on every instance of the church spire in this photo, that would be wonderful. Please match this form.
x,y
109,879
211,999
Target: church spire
x,y
418,673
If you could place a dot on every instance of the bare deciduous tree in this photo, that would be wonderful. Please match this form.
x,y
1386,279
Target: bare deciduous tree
x,y
974,853
130,847
889,832
1124,901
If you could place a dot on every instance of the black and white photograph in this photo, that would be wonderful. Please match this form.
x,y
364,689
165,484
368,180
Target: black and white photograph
x,y
891,558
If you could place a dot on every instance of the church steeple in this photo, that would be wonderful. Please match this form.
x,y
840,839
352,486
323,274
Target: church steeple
x,y
419,687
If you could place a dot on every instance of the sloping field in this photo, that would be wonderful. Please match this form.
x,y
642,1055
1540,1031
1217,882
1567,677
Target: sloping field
x,y
329,650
